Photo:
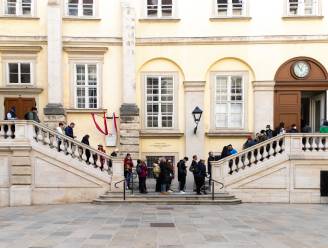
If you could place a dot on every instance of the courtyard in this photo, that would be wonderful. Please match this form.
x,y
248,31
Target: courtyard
x,y
164,226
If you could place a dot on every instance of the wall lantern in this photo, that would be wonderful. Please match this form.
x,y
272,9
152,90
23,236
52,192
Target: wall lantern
x,y
197,113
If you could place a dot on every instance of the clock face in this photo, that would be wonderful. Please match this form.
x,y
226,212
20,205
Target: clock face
x,y
301,69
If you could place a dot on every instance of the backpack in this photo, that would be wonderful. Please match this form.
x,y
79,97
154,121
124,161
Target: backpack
x,y
138,169
156,170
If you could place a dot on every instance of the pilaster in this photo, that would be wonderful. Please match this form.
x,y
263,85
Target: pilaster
x,y
54,111
263,104
129,111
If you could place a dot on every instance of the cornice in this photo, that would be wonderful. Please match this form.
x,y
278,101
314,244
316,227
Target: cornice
x,y
20,90
263,85
20,49
84,50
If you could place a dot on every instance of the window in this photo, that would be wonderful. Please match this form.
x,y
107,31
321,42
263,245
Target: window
x,y
159,8
230,8
159,101
229,101
302,7
80,8
86,86
19,73
19,7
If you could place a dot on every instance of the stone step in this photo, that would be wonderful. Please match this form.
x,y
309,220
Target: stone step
x,y
169,201
164,197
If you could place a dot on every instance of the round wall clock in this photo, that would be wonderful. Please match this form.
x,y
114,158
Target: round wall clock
x,y
301,69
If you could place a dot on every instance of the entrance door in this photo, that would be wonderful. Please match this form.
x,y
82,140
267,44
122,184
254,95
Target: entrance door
x,y
23,105
318,111
288,108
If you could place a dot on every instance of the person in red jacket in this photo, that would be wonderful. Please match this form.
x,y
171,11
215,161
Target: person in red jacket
x,y
142,171
128,165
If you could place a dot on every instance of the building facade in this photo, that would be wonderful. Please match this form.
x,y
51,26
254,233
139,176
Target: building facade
x,y
245,63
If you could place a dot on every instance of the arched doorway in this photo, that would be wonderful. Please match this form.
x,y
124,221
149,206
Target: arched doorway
x,y
301,86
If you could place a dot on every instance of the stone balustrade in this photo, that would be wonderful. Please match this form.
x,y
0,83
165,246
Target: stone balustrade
x,y
293,145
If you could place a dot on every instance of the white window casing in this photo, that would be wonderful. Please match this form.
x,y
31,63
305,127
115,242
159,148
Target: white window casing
x,y
230,8
80,8
86,81
229,100
160,9
24,8
19,73
160,101
303,7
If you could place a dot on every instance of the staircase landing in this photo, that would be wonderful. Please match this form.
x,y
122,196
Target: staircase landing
x,y
170,199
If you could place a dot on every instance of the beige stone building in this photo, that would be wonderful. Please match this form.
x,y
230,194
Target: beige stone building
x,y
245,63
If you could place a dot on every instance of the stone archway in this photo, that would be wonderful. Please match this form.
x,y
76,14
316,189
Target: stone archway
x,y
295,80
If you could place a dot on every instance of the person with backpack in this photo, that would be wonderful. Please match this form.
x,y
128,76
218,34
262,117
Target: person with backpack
x,y
182,174
200,174
142,171
32,115
128,165
156,173
192,168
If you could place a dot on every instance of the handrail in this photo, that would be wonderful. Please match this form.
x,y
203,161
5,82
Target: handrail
x,y
124,186
62,136
211,180
250,149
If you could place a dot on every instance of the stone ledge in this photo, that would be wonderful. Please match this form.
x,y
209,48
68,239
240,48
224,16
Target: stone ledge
x,y
150,20
71,18
81,111
20,161
21,170
303,17
21,180
217,133
161,133
20,90
230,18
12,17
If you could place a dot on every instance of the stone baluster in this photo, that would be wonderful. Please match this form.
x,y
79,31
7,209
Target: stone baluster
x,y
46,139
252,158
246,162
84,156
271,150
76,152
265,152
91,159
325,144
307,144
258,155
2,131
62,145
69,148
320,144
98,162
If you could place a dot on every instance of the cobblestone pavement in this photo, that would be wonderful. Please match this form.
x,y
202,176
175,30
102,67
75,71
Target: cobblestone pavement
x,y
90,226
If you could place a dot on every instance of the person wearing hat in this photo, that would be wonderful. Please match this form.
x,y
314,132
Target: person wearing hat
x,y
114,153
101,158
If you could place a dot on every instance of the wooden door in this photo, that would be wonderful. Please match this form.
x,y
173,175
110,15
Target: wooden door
x,y
288,108
23,105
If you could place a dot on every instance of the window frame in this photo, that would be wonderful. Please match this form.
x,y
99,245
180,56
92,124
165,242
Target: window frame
x,y
75,86
19,9
160,12
80,14
175,115
245,12
245,79
316,5
20,61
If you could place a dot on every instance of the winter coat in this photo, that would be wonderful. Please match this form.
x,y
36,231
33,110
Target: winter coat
x,y
128,164
249,143
225,153
85,141
200,170
143,170
165,175
193,166
182,170
69,132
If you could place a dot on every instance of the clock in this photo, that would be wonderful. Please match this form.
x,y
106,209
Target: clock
x,y
301,69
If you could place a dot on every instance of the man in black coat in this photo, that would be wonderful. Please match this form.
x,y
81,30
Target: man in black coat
x,y
182,174
200,174
210,159
192,168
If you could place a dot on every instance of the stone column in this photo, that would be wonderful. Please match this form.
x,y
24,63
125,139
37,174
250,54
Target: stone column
x,y
129,111
54,111
263,104
194,96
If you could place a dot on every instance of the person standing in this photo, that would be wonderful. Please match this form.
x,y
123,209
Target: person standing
x,y
182,174
157,173
59,130
210,159
293,129
142,171
101,158
268,132
171,175
10,116
192,169
69,130
32,115
200,174
85,140
164,176
128,165
231,150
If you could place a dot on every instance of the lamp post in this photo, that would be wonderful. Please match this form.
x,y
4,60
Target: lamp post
x,y
197,113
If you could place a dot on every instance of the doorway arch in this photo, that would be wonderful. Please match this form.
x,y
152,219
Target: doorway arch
x,y
300,93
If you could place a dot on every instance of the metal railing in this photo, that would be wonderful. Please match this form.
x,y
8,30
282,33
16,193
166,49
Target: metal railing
x,y
124,186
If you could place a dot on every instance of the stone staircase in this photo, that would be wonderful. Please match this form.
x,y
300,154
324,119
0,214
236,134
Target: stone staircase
x,y
171,199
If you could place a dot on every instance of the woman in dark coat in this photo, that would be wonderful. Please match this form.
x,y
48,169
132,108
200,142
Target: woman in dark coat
x,y
164,176
85,140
